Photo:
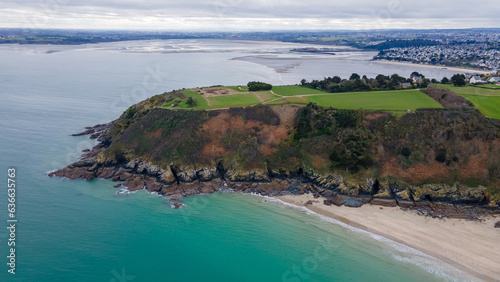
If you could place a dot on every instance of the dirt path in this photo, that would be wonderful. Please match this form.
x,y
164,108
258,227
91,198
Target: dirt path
x,y
272,92
258,97
206,99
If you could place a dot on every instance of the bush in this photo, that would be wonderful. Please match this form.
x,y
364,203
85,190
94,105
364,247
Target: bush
x,y
441,156
405,152
191,102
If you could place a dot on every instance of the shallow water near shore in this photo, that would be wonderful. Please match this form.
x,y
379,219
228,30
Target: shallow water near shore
x,y
82,231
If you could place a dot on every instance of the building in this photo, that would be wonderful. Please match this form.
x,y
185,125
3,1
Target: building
x,y
476,80
418,79
494,79
405,85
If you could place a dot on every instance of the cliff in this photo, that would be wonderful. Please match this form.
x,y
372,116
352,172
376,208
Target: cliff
x,y
446,158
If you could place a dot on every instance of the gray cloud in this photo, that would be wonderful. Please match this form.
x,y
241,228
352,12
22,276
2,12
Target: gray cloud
x,y
245,14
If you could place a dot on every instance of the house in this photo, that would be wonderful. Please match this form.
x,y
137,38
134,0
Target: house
x,y
405,85
418,79
494,79
476,80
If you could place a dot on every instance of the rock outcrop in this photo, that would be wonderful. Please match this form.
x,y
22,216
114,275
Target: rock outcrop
x,y
136,174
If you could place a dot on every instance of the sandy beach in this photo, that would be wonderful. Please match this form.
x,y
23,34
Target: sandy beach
x,y
458,70
471,246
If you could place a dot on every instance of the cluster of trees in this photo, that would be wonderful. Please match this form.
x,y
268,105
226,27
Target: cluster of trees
x,y
358,83
456,80
259,86
380,82
338,132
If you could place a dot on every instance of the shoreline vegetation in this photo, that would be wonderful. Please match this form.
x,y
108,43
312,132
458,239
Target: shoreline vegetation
x,y
428,172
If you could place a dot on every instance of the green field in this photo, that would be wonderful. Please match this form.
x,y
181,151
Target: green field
x,y
469,90
266,95
493,86
383,100
202,103
238,100
292,90
487,105
487,101
243,88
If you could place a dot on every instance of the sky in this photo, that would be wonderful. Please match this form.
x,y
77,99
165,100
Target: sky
x,y
246,15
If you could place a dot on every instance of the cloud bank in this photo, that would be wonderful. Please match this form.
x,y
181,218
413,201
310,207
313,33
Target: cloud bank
x,y
248,15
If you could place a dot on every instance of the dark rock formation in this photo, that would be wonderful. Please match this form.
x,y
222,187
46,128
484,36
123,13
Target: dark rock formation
x,y
435,201
95,130
336,200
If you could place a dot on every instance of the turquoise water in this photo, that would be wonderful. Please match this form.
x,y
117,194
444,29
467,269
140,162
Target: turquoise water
x,y
82,231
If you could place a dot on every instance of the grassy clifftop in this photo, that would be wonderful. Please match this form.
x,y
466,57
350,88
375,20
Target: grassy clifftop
x,y
426,146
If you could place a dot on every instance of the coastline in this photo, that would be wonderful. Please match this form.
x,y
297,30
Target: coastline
x,y
470,246
460,70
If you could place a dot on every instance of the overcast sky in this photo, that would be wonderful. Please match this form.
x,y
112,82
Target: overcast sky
x,y
248,15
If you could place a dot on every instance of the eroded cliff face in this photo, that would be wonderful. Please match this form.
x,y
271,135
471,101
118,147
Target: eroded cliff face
x,y
432,200
347,157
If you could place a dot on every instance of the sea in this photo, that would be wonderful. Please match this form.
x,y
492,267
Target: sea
x,y
78,230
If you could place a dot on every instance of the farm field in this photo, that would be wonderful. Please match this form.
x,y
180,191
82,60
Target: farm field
x,y
238,100
493,86
469,90
487,101
384,100
394,101
487,105
292,90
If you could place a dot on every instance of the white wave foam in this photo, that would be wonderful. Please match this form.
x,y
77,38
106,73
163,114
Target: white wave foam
x,y
400,251
124,191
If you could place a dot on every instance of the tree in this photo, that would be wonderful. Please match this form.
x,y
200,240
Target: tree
x,y
458,80
445,80
396,80
303,82
191,102
416,73
354,76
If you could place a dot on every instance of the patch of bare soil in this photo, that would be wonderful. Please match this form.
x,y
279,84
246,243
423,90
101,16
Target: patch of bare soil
x,y
287,114
216,91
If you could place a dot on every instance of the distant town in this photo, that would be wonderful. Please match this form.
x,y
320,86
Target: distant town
x,y
477,49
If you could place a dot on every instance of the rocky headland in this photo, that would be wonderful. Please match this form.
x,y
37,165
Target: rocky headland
x,y
439,162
